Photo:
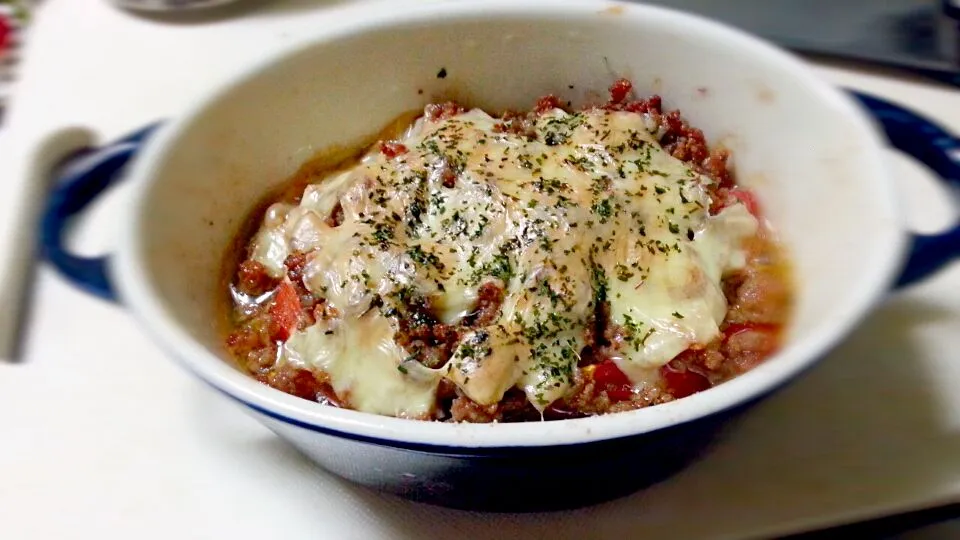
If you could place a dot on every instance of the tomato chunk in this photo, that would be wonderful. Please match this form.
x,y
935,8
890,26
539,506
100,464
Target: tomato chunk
x,y
681,382
615,382
253,278
285,311
547,104
392,149
748,199
619,90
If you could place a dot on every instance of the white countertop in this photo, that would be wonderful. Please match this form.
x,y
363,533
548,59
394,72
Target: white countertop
x,y
102,436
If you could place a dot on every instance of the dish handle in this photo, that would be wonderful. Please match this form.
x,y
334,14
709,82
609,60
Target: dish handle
x,y
83,179
80,181
933,146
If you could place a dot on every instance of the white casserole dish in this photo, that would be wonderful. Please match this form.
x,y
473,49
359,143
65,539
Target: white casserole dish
x,y
813,155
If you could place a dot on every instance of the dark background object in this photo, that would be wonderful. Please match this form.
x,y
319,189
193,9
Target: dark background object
x,y
903,527
920,36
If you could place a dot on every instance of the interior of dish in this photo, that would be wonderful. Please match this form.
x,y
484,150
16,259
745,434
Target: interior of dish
x,y
546,264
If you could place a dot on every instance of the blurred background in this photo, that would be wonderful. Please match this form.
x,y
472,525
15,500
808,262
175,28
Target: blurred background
x,y
921,35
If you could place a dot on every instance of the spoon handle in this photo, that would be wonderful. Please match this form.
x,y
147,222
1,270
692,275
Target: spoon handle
x,y
20,266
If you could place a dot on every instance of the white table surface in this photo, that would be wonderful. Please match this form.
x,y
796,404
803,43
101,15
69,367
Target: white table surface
x,y
103,437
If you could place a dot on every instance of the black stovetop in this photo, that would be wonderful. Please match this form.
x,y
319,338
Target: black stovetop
x,y
918,35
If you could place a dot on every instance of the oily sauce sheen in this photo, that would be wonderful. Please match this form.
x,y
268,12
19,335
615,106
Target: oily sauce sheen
x,y
541,265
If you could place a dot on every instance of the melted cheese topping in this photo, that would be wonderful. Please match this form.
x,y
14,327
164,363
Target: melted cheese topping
x,y
590,210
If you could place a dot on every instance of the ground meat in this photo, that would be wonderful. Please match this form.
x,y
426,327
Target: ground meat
x,y
759,294
684,142
429,340
716,167
546,104
294,264
335,219
487,309
758,306
721,198
448,175
464,409
749,302
254,340
710,356
652,104
690,147
252,346
302,383
653,395
253,279
433,342
588,398
514,407
523,124
761,297
440,111
747,348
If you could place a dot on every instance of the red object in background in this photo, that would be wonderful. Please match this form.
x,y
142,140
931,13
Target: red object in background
x,y
5,30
